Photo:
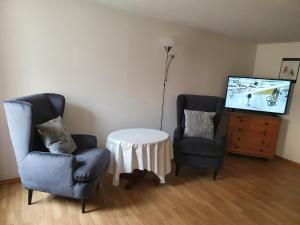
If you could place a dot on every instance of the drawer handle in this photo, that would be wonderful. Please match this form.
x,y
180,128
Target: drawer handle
x,y
266,123
239,138
240,129
261,150
241,120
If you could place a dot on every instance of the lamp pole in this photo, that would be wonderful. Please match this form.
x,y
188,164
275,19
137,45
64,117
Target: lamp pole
x,y
169,58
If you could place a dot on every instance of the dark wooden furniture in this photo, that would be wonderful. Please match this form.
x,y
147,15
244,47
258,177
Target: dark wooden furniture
x,y
252,134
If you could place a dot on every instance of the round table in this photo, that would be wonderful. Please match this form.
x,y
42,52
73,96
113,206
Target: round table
x,y
139,148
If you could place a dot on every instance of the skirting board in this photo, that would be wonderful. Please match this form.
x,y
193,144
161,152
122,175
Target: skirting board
x,y
14,180
290,162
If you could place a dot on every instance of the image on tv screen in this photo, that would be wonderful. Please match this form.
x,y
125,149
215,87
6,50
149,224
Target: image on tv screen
x,y
257,94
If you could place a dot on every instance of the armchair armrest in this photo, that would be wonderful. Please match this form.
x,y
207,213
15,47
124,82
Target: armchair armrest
x,y
220,139
85,141
47,171
178,133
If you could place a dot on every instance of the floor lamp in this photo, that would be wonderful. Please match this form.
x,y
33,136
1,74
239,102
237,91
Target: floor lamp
x,y
168,44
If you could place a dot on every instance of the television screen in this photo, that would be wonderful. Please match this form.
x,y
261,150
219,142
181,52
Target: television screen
x,y
264,95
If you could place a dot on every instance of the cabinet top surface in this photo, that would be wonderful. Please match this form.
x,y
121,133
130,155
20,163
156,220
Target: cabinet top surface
x,y
255,115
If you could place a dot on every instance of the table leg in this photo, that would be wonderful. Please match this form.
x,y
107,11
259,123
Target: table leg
x,y
162,179
133,178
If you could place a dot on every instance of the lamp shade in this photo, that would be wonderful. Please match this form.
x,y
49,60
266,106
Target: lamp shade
x,y
167,42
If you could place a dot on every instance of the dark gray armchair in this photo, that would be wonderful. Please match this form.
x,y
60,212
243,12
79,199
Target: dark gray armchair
x,y
72,175
195,151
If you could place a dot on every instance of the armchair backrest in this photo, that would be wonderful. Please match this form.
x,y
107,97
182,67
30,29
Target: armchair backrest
x,y
199,103
22,116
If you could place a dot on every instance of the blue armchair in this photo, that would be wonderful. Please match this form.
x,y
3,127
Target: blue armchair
x,y
74,175
195,151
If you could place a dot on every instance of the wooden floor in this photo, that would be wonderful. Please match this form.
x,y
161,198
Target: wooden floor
x,y
247,191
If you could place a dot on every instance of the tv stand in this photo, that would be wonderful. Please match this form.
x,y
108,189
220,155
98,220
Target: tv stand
x,y
253,134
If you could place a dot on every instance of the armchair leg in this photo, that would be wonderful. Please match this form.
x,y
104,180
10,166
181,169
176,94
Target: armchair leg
x,y
83,205
215,174
176,170
29,196
97,187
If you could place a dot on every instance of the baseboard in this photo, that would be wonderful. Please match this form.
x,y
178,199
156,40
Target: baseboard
x,y
9,181
290,162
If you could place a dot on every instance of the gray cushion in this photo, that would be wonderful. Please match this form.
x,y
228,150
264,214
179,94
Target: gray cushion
x,y
200,146
55,136
199,124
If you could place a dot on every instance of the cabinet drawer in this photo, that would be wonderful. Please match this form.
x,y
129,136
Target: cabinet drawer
x,y
240,121
267,124
253,121
256,131
252,139
251,150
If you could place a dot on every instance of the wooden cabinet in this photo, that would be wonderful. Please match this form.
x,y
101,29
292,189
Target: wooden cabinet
x,y
252,134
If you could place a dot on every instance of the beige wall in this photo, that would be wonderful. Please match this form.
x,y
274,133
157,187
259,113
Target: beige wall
x,y
7,159
267,64
108,64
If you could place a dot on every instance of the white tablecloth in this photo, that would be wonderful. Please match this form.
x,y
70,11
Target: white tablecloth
x,y
139,149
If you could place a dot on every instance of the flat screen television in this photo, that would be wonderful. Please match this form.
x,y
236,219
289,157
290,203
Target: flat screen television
x,y
257,94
